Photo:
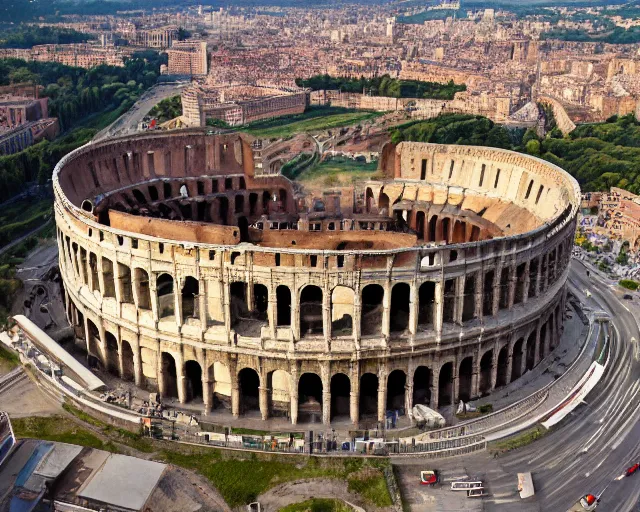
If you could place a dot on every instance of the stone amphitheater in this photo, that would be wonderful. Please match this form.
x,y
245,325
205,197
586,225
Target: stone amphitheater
x,y
191,272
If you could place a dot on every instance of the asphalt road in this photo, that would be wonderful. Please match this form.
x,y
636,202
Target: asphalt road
x,y
585,452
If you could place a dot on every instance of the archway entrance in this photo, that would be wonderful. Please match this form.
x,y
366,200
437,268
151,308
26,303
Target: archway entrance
x,y
340,396
464,379
422,381
371,316
310,398
311,311
503,365
400,296
445,385
249,382
169,376
112,355
368,395
193,374
128,365
516,360
484,386
396,383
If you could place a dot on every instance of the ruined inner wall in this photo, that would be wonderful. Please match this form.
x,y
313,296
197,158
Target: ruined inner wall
x,y
196,320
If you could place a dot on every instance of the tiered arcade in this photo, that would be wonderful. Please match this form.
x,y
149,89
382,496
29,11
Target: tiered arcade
x,y
187,273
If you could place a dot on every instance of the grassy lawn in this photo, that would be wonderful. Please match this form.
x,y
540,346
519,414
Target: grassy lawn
x,y
518,441
318,505
314,119
21,217
239,476
337,171
59,429
8,360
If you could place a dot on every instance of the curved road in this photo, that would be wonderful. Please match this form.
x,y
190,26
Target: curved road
x,y
600,439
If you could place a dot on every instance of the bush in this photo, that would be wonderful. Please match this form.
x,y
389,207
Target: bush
x,y
629,284
486,408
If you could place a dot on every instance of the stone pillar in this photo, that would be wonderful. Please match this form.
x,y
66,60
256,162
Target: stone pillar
x,y
326,318
357,319
527,282
382,399
354,398
523,359
456,383
202,305
293,396
326,406
159,372
475,376
435,390
100,275
181,379
536,358
513,281
226,308
207,392
478,300
295,315
509,362
120,358
545,284
386,311
177,300
439,309
263,392
272,314
408,395
458,306
153,295
539,277
235,392
413,310
497,275
494,372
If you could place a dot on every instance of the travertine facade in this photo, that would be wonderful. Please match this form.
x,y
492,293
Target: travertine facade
x,y
440,282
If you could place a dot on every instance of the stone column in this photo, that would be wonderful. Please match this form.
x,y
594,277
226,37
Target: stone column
x,y
357,319
235,391
523,359
497,275
478,300
545,284
153,295
536,358
295,316
494,370
354,398
456,383
207,393
293,396
159,372
120,358
202,304
435,390
408,396
439,309
527,282
475,376
509,362
326,318
272,314
459,301
100,275
226,308
539,277
326,406
382,399
513,281
137,363
386,311
263,392
181,379
177,301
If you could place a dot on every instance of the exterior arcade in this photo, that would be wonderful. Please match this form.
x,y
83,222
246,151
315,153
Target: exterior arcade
x,y
188,272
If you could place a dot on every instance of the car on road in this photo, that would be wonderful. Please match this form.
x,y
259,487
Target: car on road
x,y
429,477
589,502
633,469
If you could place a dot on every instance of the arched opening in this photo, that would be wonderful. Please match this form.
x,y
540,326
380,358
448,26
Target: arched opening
x,y
531,351
253,203
422,382
371,314
310,398
520,283
128,366
112,355
543,336
533,277
190,305
126,289
464,379
396,388
487,292
93,342
243,224
342,311
459,232
260,301
420,225
368,395
249,382
108,278
433,224
426,304
504,287
503,366
223,210
446,229
193,374
139,196
516,360
282,196
166,301
279,383
239,203
238,303
448,307
310,311
283,298
469,299
169,376
142,288
445,385
340,396
399,312
220,378
266,199
369,202
484,386
383,203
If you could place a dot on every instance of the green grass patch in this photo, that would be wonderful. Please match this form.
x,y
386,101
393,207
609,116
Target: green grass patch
x,y
338,171
8,360
249,431
134,440
318,505
59,429
518,441
242,477
629,284
23,216
312,120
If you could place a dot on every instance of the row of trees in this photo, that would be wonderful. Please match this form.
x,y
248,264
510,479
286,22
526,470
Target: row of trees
x,y
27,36
74,94
383,86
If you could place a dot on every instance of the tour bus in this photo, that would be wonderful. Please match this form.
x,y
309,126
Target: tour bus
x,y
465,485
525,485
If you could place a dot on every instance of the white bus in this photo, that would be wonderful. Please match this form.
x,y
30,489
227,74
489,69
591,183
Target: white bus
x,y
465,485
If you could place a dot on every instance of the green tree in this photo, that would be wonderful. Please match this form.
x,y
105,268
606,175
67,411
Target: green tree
x,y
533,147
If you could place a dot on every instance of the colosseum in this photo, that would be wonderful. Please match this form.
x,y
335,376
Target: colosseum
x,y
190,272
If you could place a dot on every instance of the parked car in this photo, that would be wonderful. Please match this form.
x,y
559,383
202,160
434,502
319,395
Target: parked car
x,y
429,477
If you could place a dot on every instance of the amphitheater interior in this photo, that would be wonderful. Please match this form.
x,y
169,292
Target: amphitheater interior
x,y
191,272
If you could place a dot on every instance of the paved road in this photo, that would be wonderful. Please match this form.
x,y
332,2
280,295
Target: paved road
x,y
128,122
585,453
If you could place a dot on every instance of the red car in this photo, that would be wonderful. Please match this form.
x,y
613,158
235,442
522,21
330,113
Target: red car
x,y
633,469
428,477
